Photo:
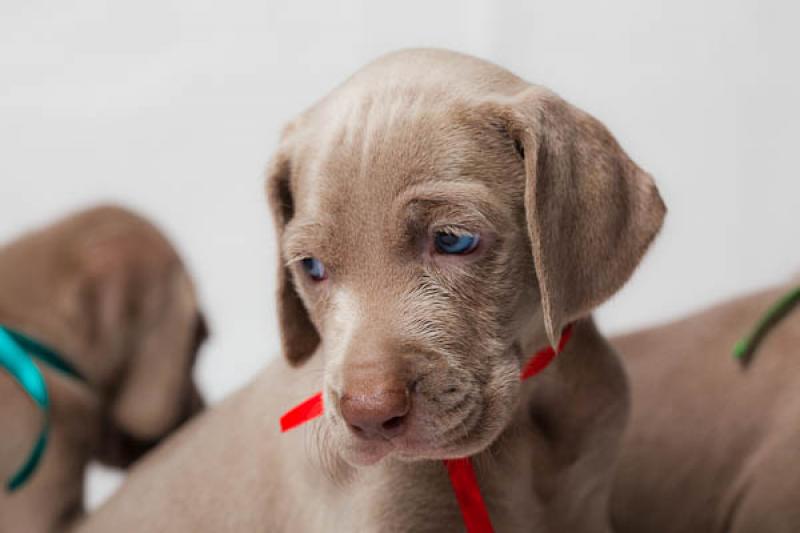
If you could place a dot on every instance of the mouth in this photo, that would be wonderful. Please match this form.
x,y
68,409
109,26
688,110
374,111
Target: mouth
x,y
422,440
448,416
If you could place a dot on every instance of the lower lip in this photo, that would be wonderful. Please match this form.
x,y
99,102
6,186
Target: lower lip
x,y
365,454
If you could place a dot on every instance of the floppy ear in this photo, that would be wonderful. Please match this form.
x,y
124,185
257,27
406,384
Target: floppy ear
x,y
146,329
299,337
591,212
155,391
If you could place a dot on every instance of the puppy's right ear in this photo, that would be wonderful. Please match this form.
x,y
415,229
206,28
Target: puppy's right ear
x,y
299,337
591,211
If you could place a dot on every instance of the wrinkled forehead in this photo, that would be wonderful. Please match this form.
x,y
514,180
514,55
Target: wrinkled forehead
x,y
367,150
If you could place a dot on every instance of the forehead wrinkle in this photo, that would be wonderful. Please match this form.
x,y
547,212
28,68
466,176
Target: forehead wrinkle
x,y
459,193
468,205
332,145
380,124
370,154
302,239
376,144
389,150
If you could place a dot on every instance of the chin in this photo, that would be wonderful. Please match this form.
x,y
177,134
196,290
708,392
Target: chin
x,y
357,452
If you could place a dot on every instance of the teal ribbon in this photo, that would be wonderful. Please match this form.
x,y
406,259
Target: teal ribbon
x,y
17,353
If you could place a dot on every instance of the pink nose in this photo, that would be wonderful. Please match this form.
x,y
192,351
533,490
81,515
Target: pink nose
x,y
376,412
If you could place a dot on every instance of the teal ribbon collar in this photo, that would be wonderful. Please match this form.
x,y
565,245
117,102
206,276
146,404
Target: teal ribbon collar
x,y
17,353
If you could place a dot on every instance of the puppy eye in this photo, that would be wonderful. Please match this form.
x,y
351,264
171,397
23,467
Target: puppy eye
x,y
314,268
450,243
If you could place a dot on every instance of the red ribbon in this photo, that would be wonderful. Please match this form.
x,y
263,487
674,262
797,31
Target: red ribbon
x,y
468,495
461,471
543,357
304,412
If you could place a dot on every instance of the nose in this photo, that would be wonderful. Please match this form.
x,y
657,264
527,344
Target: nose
x,y
377,411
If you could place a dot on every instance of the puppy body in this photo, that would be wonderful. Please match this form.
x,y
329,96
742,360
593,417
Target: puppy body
x,y
418,352
99,287
231,469
711,446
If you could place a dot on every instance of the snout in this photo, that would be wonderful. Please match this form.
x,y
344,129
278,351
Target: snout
x,y
378,412
376,402
413,407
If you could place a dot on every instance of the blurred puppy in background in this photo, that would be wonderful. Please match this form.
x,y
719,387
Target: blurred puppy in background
x,y
109,293
711,446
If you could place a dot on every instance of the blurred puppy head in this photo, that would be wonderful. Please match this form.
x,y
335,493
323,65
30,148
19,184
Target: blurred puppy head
x,y
109,292
141,306
438,219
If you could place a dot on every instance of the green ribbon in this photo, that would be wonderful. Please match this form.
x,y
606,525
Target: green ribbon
x,y
17,353
746,348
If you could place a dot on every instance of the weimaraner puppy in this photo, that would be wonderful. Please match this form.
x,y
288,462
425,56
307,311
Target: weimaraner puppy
x,y
712,447
106,291
439,220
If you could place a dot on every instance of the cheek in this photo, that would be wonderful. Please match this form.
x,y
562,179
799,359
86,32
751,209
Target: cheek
x,y
476,330
465,307
505,287
480,308
315,296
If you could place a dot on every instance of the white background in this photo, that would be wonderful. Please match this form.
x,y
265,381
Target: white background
x,y
173,108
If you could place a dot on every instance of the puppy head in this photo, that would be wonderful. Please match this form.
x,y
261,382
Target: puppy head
x,y
143,328
438,219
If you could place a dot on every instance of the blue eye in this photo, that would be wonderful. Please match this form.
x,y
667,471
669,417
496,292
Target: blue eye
x,y
450,243
314,268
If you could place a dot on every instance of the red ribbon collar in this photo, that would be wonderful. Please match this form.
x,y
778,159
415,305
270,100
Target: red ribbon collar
x,y
461,471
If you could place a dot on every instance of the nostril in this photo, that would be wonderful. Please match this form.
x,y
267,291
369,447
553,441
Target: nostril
x,y
393,423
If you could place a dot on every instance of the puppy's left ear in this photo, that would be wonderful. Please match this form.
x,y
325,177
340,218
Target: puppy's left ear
x,y
299,336
591,212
